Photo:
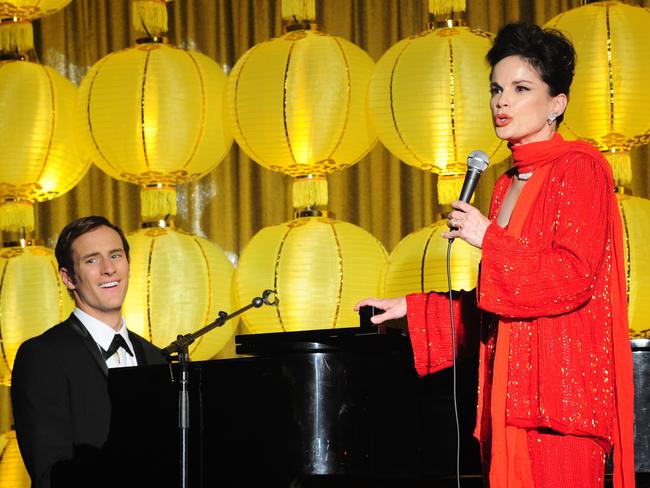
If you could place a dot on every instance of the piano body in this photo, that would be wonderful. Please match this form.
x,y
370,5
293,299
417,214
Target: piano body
x,y
341,407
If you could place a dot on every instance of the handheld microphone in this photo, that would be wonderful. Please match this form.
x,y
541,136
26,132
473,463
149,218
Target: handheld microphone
x,y
477,162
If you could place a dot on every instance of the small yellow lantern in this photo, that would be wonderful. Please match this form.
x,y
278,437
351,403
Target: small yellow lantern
x,y
30,9
179,283
610,87
319,267
418,263
12,469
16,33
429,99
32,299
635,215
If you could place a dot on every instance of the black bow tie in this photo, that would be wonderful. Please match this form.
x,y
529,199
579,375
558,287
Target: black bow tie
x,y
117,342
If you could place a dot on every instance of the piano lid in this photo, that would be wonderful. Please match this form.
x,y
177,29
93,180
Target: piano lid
x,y
363,338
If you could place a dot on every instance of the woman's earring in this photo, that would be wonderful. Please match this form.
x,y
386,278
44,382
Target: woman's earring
x,y
551,118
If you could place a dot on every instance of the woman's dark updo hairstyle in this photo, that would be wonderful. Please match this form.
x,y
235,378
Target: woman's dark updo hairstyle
x,y
547,50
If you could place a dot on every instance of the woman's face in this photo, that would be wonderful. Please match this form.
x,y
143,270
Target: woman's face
x,y
521,103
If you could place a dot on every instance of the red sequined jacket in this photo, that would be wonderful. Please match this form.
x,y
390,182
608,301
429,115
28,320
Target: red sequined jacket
x,y
552,285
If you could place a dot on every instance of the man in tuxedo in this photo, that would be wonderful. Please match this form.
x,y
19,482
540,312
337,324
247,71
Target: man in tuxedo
x,y
59,385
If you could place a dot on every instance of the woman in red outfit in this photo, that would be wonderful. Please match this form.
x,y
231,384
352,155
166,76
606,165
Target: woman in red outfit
x,y
555,376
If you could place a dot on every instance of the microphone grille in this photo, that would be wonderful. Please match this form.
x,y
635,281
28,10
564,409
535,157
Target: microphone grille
x,y
478,161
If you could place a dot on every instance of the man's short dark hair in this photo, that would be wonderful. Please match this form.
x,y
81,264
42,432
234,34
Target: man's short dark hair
x,y
79,227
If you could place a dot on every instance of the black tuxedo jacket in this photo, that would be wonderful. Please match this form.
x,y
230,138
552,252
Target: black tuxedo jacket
x,y
61,405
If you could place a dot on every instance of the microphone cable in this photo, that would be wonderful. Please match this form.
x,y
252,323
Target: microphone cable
x,y
477,162
453,358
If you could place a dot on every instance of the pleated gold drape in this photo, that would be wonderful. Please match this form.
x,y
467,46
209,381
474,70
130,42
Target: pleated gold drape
x,y
238,198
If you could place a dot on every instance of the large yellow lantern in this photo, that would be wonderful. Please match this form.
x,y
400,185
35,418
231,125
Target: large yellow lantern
x,y
179,283
153,115
609,96
12,469
418,263
635,214
32,299
429,101
39,158
297,104
319,267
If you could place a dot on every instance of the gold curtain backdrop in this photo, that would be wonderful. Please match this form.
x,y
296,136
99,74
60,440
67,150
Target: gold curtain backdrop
x,y
238,198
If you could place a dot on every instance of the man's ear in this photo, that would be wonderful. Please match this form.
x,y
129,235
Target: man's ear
x,y
67,279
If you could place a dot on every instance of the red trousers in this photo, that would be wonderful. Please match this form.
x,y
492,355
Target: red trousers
x,y
565,461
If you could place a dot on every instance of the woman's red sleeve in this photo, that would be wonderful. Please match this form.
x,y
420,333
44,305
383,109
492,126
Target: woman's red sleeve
x,y
430,328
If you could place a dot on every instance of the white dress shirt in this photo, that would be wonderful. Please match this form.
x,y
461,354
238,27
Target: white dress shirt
x,y
103,336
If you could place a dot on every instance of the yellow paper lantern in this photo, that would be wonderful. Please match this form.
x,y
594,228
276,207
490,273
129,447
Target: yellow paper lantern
x,y
179,283
39,159
152,115
12,469
429,101
32,299
635,214
297,103
30,9
320,268
610,87
16,32
419,263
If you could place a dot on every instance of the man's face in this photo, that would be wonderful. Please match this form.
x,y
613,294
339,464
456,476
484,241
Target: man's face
x,y
101,275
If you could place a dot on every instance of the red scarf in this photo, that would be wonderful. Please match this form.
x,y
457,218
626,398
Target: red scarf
x,y
529,158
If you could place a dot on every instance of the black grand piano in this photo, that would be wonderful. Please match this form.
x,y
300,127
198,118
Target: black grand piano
x,y
340,407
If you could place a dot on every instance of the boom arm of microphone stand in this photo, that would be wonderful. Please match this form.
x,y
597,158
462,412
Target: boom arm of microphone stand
x,y
269,297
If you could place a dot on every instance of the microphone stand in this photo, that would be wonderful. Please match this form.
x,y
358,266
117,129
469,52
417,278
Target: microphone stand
x,y
180,347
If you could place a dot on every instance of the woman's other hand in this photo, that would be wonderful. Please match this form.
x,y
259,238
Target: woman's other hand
x,y
468,223
394,308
